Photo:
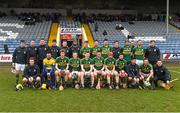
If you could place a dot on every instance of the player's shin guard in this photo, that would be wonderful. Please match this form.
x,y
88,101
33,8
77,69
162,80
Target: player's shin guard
x,y
152,84
109,80
92,81
117,81
82,82
124,82
17,79
61,80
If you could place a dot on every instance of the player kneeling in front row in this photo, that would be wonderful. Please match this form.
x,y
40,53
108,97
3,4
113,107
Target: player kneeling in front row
x,y
86,70
62,72
110,69
98,68
120,73
47,76
133,74
74,67
161,73
32,75
146,73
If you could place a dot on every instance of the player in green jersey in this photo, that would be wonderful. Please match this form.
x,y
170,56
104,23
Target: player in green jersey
x,y
120,72
146,72
110,68
138,53
62,65
84,49
127,51
87,69
98,68
74,64
105,49
95,49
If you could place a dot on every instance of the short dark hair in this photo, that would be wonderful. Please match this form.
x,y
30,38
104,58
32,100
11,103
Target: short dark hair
x,y
105,39
98,51
42,39
145,59
32,39
152,41
96,40
22,41
64,41
54,41
85,41
49,52
139,40
31,58
62,51
116,41
75,52
126,41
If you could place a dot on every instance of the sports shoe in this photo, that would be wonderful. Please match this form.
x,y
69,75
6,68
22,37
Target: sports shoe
x,y
117,87
110,87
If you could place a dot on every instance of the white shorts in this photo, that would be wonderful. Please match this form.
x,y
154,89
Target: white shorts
x,y
74,72
139,62
87,73
20,67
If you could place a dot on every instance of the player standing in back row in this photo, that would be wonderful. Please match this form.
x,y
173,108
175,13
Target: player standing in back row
x,y
138,53
84,49
19,59
127,51
105,49
95,49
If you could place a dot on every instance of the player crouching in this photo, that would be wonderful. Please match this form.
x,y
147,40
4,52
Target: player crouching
x,y
120,72
98,69
146,73
161,73
47,76
74,66
31,75
110,69
133,74
86,70
62,72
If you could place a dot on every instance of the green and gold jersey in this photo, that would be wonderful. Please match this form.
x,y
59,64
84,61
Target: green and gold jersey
x,y
87,63
146,68
94,50
110,63
84,50
74,64
62,62
138,53
127,52
120,64
105,50
98,63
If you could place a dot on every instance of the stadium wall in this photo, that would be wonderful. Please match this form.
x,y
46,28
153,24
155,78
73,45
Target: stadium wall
x,y
104,11
27,10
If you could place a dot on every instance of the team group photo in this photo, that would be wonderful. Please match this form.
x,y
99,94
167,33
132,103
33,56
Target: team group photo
x,y
45,67
89,56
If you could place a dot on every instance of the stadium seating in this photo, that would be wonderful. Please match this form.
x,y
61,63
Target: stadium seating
x,y
70,24
12,30
140,29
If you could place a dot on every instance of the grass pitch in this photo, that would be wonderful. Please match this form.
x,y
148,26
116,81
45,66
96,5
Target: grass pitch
x,y
88,100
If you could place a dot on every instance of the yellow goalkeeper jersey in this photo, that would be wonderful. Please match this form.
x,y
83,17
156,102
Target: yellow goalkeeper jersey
x,y
49,63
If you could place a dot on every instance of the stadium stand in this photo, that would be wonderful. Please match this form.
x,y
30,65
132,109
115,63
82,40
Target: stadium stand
x,y
69,24
140,29
12,29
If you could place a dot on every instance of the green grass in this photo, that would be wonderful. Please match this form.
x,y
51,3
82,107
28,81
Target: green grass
x,y
88,100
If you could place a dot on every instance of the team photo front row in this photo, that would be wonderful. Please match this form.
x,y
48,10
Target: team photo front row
x,y
92,72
